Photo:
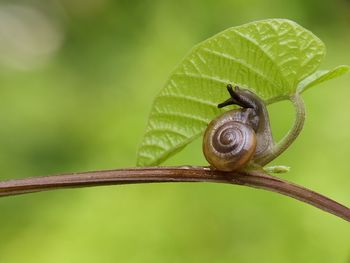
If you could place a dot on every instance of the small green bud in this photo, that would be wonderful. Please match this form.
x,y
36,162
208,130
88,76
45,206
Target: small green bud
x,y
278,169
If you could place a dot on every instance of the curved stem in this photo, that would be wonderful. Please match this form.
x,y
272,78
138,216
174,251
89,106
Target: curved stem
x,y
256,179
292,134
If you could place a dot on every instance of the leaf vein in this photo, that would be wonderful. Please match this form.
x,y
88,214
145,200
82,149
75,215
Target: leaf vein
x,y
242,63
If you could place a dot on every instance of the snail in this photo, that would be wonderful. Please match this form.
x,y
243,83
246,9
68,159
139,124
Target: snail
x,y
239,136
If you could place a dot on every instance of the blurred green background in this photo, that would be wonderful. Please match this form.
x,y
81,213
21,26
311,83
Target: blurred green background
x,y
77,81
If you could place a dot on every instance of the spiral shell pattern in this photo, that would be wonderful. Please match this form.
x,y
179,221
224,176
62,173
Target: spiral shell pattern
x,y
228,145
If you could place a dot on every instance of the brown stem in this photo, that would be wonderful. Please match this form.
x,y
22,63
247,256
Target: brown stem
x,y
256,179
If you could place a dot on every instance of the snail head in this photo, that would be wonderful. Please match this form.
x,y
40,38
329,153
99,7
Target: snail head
x,y
238,97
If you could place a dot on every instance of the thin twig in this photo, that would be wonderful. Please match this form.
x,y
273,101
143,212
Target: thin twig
x,y
256,179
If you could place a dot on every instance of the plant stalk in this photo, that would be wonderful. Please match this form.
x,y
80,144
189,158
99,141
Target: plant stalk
x,y
292,134
256,179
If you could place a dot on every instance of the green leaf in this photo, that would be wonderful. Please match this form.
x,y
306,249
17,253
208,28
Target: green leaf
x,y
321,76
269,57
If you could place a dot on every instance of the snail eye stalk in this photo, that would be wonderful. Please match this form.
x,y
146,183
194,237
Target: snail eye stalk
x,y
236,98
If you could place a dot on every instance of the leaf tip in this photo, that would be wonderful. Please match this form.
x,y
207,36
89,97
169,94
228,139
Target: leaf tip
x,y
321,76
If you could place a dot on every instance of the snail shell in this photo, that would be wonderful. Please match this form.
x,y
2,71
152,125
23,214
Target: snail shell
x,y
239,136
230,141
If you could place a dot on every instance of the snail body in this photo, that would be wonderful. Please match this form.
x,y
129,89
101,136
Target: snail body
x,y
238,136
